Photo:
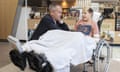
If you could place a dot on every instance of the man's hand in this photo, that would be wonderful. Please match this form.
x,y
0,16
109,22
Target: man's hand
x,y
61,21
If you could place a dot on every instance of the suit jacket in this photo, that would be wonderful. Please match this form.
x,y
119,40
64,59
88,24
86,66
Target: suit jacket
x,y
47,23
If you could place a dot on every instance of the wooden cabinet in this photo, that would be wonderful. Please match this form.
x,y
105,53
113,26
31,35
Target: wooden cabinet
x,y
108,26
32,23
117,37
71,23
7,13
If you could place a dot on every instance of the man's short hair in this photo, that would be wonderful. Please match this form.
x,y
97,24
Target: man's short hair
x,y
53,6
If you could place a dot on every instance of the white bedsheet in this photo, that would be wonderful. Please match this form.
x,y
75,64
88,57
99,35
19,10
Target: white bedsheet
x,y
63,48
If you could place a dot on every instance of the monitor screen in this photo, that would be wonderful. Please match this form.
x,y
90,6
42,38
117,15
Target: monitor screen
x,y
108,11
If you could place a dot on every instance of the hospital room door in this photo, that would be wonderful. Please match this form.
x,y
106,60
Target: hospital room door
x,y
7,13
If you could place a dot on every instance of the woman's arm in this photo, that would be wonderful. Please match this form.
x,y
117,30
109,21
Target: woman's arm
x,y
95,28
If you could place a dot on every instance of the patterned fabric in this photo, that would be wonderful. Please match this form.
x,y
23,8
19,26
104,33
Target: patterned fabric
x,y
85,29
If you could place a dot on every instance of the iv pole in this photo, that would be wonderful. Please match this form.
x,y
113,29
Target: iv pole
x,y
17,21
17,17
26,17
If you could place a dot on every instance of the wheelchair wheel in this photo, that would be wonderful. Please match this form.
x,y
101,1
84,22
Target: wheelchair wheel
x,y
101,57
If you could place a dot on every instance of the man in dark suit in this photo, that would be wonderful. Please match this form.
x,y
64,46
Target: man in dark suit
x,y
50,21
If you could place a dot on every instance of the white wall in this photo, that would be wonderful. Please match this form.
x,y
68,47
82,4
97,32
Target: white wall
x,y
95,6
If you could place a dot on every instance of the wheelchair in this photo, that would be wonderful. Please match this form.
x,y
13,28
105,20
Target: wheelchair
x,y
101,57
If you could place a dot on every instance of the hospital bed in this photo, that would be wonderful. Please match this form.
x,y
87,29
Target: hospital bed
x,y
101,54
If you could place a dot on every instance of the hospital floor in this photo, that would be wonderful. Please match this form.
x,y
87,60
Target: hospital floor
x,y
7,66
